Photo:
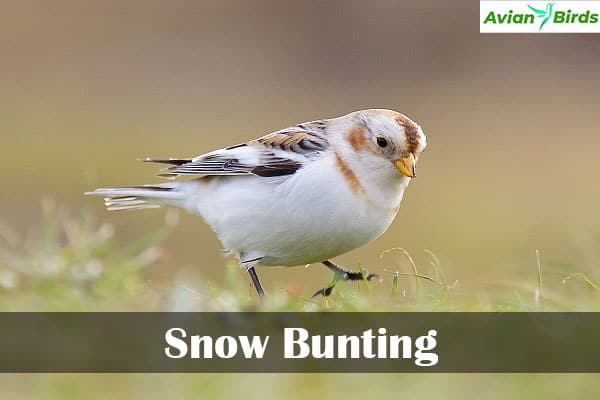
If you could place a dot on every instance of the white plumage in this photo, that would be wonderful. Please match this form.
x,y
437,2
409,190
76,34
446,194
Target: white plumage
x,y
300,195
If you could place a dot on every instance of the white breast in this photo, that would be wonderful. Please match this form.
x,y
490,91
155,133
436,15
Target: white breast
x,y
304,218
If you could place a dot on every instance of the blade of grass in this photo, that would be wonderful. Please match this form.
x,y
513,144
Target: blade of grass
x,y
410,261
540,284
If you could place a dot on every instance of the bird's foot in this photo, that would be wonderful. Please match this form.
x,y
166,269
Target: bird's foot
x,y
344,274
359,276
325,292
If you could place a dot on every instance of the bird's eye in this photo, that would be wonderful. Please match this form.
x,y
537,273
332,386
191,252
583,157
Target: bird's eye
x,y
382,142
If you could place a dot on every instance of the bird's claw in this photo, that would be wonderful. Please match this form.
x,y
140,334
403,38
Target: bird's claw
x,y
370,277
345,276
325,292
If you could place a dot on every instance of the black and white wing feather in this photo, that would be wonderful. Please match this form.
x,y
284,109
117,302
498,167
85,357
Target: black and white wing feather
x,y
276,154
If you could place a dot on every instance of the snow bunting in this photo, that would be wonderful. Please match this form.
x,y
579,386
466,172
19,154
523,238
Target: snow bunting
x,y
301,195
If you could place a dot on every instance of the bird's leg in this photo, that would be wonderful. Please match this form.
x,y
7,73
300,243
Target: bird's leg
x,y
249,265
343,274
257,285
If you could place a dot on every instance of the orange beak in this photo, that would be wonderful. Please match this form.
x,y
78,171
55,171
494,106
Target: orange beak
x,y
406,165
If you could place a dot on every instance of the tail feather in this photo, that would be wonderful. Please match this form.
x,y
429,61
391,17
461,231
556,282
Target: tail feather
x,y
170,161
127,203
139,197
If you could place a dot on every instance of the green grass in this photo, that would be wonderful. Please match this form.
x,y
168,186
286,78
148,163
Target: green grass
x,y
74,263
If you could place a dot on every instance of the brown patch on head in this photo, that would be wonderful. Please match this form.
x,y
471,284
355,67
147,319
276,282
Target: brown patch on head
x,y
357,138
349,175
411,130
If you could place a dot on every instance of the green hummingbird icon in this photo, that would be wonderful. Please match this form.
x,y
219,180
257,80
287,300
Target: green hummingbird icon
x,y
545,14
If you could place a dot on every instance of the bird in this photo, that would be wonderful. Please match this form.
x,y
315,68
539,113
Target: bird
x,y
544,14
297,196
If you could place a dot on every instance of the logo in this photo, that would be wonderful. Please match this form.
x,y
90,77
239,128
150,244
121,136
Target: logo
x,y
544,14
538,16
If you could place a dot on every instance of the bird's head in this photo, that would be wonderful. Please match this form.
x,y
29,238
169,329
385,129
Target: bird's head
x,y
388,140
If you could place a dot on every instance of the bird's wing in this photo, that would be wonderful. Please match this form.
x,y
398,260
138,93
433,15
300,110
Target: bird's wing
x,y
540,13
276,154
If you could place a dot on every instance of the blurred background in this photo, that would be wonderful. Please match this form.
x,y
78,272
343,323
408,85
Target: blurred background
x,y
512,122
512,162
